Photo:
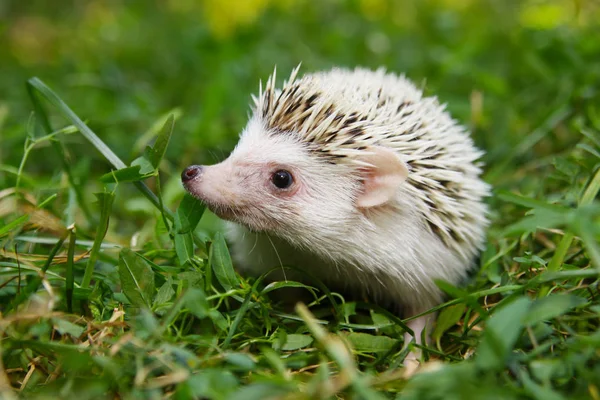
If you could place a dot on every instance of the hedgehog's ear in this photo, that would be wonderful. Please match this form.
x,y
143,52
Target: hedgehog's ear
x,y
382,178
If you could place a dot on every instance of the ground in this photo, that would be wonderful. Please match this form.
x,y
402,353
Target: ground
x,y
104,296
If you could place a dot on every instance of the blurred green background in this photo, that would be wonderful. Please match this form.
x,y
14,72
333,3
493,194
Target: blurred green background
x,y
505,68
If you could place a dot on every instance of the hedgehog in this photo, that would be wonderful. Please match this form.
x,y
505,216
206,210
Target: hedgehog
x,y
357,178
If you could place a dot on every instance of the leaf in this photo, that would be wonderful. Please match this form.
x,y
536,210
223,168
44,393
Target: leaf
x,y
195,301
241,360
208,383
349,309
148,163
197,304
192,279
184,247
218,320
545,369
128,174
66,327
188,214
537,391
551,306
382,323
364,342
286,284
447,319
380,319
279,340
501,333
297,341
165,293
450,289
220,261
566,167
137,278
81,293
530,259
146,167
157,152
187,217
459,293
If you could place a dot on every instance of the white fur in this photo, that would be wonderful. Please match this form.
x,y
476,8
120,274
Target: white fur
x,y
431,228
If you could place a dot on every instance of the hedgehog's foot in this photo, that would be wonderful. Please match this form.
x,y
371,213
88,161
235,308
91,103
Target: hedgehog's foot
x,y
418,326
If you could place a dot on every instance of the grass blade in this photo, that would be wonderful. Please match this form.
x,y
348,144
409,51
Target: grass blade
x,y
551,306
11,226
241,312
114,160
588,196
528,202
35,281
45,126
105,201
69,275
60,105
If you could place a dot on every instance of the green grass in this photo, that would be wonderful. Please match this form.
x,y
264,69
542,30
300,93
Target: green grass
x,y
127,290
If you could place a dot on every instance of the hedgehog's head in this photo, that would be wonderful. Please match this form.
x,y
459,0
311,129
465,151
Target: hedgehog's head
x,y
298,171
273,182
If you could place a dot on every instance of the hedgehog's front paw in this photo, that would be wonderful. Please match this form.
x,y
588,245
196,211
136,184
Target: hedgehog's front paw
x,y
412,362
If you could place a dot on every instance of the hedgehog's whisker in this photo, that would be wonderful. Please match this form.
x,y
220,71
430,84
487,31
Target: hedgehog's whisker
x,y
255,243
277,254
213,155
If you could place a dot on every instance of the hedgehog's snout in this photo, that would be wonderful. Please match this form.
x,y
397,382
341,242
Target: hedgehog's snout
x,y
191,172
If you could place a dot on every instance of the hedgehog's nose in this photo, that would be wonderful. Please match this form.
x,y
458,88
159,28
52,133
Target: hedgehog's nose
x,y
191,172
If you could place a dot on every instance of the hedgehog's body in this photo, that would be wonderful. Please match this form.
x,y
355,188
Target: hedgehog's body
x,y
355,177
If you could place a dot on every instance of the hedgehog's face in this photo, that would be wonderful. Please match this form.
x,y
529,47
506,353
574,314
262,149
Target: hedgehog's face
x,y
274,183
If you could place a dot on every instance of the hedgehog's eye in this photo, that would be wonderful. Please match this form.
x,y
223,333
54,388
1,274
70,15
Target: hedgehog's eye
x,y
282,179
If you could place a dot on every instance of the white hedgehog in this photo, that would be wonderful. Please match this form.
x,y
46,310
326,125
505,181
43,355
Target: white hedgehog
x,y
357,178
